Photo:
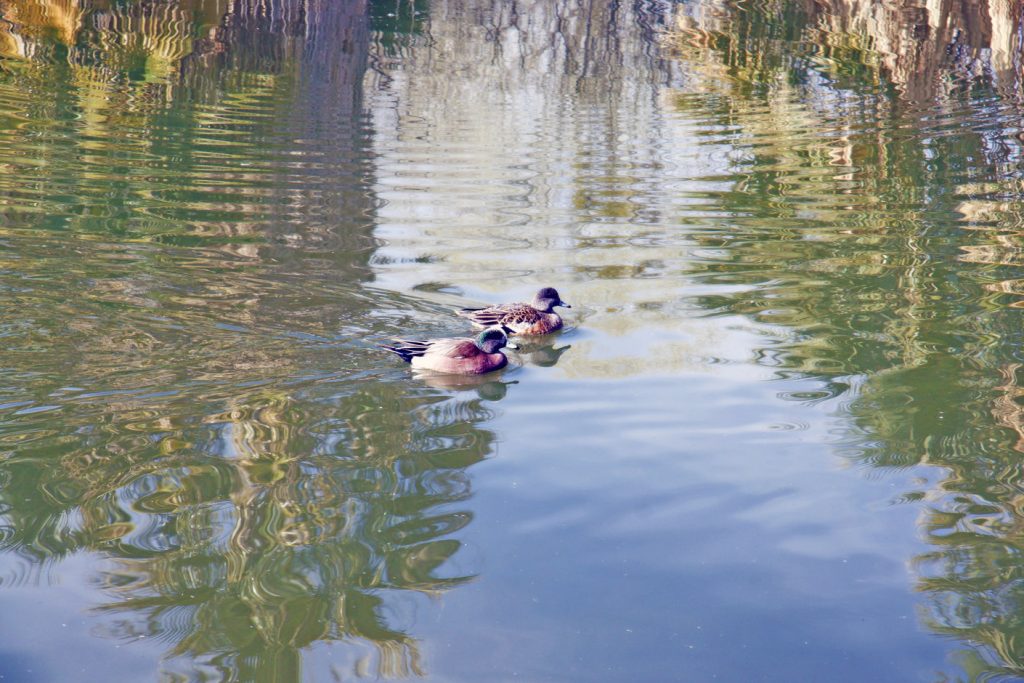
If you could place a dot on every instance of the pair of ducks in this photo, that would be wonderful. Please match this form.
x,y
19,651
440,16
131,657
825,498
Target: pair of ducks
x,y
476,356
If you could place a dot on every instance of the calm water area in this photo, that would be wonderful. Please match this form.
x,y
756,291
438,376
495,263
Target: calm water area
x,y
780,439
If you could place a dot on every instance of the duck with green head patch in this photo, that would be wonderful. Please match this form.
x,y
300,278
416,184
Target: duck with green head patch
x,y
535,318
459,356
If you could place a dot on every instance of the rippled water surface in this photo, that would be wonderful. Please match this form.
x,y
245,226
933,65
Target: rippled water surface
x,y
781,437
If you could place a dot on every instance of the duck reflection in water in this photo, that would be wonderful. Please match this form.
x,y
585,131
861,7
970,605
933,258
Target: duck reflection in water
x,y
486,387
540,353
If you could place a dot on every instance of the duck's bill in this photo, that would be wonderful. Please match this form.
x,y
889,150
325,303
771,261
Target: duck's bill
x,y
564,305
512,345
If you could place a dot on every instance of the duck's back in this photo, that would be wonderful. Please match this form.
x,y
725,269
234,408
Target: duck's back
x,y
524,319
512,315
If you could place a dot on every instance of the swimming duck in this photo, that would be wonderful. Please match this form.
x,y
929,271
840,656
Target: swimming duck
x,y
460,355
533,318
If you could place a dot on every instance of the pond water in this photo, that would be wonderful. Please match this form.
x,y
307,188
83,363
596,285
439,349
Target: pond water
x,y
781,437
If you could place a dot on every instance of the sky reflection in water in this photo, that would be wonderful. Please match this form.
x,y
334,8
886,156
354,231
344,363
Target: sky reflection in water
x,y
779,440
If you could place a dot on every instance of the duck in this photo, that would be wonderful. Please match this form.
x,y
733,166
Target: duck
x,y
456,355
534,318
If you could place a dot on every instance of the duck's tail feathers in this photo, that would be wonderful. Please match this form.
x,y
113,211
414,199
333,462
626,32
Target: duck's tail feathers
x,y
406,349
481,317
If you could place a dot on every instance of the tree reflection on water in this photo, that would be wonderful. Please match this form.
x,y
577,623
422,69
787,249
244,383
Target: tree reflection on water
x,y
243,516
253,504
243,539
886,144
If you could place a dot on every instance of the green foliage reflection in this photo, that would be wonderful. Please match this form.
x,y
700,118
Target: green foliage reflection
x,y
246,538
870,221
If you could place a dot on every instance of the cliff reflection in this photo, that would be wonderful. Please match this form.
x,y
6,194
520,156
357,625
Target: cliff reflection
x,y
879,236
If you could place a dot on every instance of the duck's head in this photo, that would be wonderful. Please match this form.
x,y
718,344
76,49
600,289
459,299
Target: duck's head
x,y
493,339
547,298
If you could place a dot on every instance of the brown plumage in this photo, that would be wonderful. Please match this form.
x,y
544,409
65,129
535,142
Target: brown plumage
x,y
524,319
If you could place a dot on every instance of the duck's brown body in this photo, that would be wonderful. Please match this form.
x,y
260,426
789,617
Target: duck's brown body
x,y
523,319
